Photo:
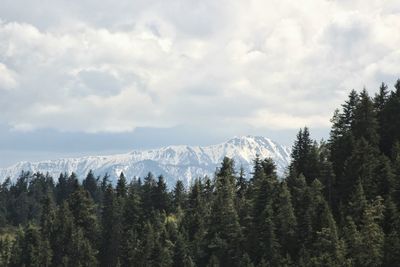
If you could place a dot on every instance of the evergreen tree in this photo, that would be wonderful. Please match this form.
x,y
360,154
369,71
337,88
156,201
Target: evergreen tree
x,y
69,244
111,230
161,196
148,192
91,185
84,214
26,251
390,121
362,165
224,229
365,124
370,251
6,250
121,186
131,227
181,256
194,223
286,222
304,156
381,99
179,196
391,227
46,228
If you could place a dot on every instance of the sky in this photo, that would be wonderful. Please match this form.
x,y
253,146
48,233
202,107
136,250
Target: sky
x,y
106,76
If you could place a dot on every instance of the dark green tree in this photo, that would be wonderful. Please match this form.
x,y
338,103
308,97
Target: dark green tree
x,y
224,232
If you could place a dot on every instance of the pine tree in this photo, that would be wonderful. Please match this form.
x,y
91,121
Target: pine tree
x,y
328,249
286,222
148,192
298,191
121,186
326,174
194,223
381,99
262,240
390,122
27,248
357,204
362,166
61,235
365,124
391,227
111,229
46,228
161,196
224,230
6,250
303,156
269,243
148,244
181,256
84,213
131,227
91,185
341,144
179,195
372,237
82,253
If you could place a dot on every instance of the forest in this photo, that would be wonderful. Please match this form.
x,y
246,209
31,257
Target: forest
x,y
338,205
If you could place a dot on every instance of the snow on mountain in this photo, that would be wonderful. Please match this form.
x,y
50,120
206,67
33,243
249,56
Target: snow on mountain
x,y
173,162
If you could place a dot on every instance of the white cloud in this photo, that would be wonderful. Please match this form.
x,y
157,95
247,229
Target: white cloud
x,y
8,78
116,66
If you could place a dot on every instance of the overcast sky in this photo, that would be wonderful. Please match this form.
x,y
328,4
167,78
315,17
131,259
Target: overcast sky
x,y
97,76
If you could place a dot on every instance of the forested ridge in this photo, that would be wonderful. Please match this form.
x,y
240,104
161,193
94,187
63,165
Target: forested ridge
x,y
337,206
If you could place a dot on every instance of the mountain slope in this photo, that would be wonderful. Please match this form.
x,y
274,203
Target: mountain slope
x,y
173,162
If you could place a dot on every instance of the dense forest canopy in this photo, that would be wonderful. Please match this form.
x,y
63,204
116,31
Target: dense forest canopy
x,y
337,206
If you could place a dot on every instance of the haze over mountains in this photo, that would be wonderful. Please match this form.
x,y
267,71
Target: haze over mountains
x,y
173,162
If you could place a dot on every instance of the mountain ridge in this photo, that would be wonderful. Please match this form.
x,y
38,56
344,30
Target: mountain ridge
x,y
174,162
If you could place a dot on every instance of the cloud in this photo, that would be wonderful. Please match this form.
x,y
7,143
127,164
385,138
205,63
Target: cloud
x,y
7,78
114,67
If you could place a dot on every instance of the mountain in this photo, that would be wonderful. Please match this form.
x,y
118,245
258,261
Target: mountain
x,y
173,162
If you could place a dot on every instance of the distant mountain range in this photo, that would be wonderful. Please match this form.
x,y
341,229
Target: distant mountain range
x,y
173,162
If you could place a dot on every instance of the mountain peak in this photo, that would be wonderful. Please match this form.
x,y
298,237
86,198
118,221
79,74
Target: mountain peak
x,y
175,162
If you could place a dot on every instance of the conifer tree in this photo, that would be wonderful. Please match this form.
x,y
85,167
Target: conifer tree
x,y
286,222
121,186
161,196
365,124
362,166
111,229
46,228
179,196
224,229
357,204
303,156
131,227
391,227
370,251
148,192
6,251
181,256
91,185
84,214
381,99
27,248
194,223
390,122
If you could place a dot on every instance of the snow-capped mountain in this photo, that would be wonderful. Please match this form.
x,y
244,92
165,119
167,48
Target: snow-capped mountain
x,y
173,162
